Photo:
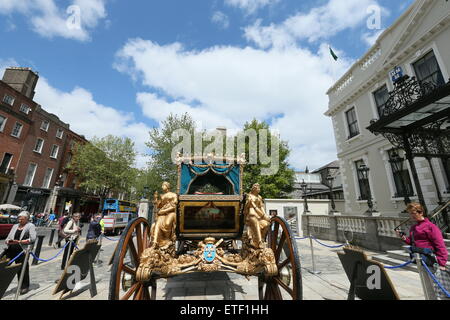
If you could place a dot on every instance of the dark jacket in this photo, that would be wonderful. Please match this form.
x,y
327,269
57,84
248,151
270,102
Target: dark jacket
x,y
95,230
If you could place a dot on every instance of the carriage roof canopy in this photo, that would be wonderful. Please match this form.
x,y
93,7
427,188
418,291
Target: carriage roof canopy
x,y
224,175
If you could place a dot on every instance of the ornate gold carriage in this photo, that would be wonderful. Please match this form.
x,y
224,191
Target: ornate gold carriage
x,y
209,225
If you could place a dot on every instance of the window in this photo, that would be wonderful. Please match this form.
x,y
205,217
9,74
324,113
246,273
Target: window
x,y
25,109
364,186
428,71
39,145
2,123
402,179
45,125
5,163
54,153
47,178
8,99
381,96
59,133
17,130
30,174
352,123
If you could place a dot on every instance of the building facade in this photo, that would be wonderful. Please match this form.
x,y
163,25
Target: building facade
x,y
416,45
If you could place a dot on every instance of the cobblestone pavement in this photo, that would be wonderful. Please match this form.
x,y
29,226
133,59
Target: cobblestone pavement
x,y
330,284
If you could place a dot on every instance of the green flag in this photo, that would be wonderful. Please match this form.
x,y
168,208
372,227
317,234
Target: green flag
x,y
335,57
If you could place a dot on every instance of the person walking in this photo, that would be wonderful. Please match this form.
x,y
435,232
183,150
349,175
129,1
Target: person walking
x,y
61,224
426,238
95,228
73,231
23,233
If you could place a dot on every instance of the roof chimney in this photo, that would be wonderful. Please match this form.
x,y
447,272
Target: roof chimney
x,y
23,80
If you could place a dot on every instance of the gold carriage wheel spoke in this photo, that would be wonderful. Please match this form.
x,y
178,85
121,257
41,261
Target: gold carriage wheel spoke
x,y
134,253
130,291
280,246
139,238
284,286
284,263
138,293
274,235
128,270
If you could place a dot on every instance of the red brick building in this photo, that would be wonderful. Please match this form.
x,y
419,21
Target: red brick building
x,y
35,148
16,112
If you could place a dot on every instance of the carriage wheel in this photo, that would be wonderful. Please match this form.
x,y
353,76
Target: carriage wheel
x,y
123,285
287,284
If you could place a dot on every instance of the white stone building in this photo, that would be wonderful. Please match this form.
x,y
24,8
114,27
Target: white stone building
x,y
419,43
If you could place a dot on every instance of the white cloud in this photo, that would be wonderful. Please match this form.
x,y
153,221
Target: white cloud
x,y
5,63
250,6
221,19
49,20
229,86
319,23
89,118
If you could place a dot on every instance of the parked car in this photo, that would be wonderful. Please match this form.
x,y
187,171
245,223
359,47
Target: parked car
x,y
6,224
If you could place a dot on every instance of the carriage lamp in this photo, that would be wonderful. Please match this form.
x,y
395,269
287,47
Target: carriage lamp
x,y
330,180
127,281
146,189
286,275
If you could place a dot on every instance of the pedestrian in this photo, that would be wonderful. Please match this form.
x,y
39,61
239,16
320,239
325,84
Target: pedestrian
x,y
61,224
23,233
73,231
426,238
51,218
95,228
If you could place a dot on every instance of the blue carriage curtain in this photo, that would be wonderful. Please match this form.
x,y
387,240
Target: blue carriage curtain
x,y
190,172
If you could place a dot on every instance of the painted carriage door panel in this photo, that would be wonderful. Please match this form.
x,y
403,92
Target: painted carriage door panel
x,y
5,163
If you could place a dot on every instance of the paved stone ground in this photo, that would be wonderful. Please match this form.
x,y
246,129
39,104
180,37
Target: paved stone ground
x,y
330,284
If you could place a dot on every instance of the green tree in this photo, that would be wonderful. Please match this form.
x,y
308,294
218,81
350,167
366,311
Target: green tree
x,y
161,167
105,165
274,186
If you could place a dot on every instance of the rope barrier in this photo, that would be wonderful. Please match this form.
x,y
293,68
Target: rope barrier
x,y
332,247
43,260
109,238
436,280
297,238
17,257
400,266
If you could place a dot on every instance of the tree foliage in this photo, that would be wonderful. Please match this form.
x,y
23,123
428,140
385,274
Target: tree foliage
x,y
161,167
105,165
274,186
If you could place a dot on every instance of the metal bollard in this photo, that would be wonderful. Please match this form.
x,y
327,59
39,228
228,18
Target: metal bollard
x,y
312,256
37,252
22,274
52,236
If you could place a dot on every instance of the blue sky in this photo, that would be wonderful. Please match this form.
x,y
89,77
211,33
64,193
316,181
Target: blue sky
x,y
224,61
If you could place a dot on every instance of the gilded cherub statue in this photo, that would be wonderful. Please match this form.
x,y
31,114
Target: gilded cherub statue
x,y
256,219
163,230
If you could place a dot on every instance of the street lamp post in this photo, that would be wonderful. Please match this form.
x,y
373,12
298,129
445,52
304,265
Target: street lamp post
x,y
146,189
304,187
330,180
397,164
364,170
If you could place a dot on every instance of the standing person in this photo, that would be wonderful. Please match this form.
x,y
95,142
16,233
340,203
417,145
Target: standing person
x,y
61,224
73,230
426,235
23,233
95,228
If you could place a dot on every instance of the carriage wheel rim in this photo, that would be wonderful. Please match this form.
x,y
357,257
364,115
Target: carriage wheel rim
x,y
271,291
140,290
